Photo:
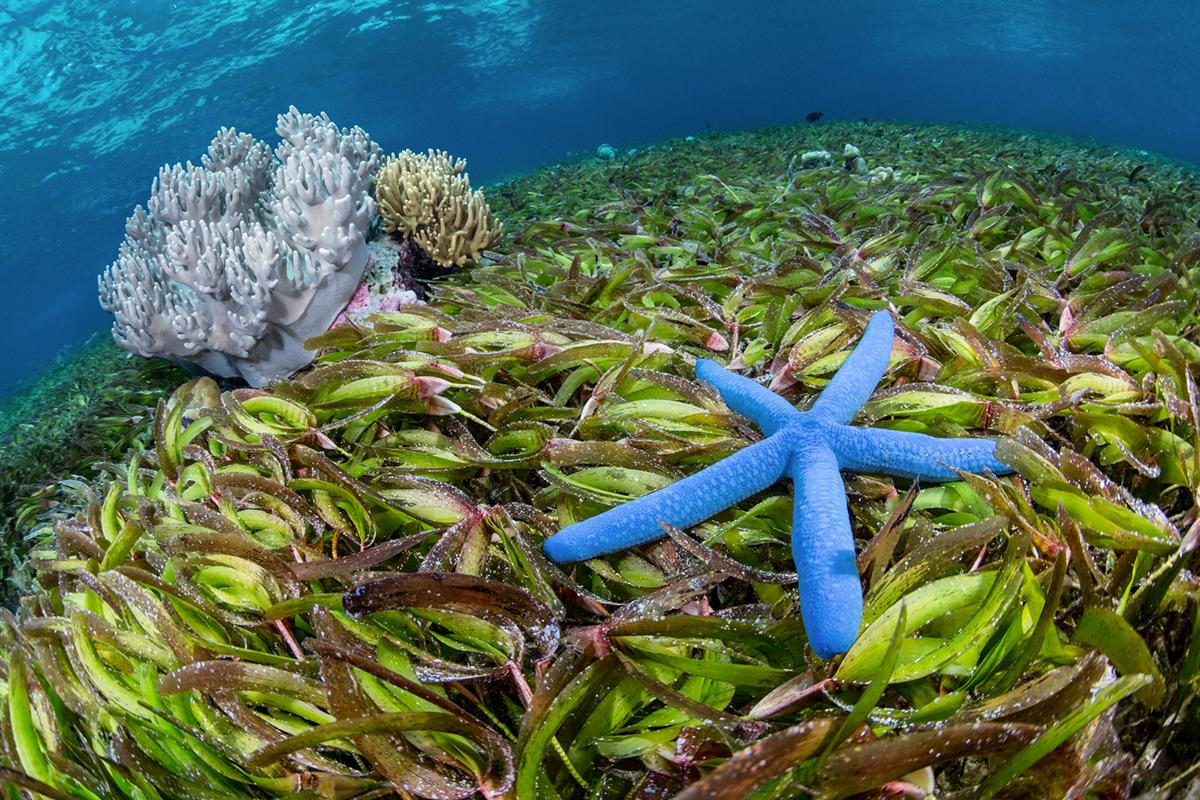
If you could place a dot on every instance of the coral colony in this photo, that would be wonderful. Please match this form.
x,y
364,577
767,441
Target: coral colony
x,y
809,447
428,199
234,263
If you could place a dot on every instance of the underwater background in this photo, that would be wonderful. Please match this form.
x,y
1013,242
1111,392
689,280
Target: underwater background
x,y
802,401
95,96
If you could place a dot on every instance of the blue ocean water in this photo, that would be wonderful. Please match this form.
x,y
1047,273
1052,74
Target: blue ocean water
x,y
96,95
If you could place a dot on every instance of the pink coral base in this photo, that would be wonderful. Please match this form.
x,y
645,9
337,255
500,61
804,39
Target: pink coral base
x,y
364,303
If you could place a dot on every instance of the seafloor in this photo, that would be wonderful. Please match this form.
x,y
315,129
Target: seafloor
x,y
185,628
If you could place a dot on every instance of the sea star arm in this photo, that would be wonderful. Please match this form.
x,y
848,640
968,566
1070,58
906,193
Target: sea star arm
x,y
682,504
911,455
823,549
768,410
853,383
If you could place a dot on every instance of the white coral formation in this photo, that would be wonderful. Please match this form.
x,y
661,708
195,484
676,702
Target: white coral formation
x,y
853,161
234,263
429,198
814,159
881,175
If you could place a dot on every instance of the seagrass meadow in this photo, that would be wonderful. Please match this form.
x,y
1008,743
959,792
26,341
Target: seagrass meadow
x,y
90,407
333,587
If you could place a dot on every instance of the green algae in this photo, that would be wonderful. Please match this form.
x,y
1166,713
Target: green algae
x,y
335,586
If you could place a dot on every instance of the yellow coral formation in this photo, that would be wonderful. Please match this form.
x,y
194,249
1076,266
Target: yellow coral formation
x,y
428,196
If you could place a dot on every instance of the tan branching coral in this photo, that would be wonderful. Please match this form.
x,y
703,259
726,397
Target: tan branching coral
x,y
428,197
234,263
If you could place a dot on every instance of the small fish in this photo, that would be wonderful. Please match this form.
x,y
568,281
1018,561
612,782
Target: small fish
x,y
813,116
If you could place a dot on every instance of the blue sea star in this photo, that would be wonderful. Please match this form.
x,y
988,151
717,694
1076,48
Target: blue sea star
x,y
811,448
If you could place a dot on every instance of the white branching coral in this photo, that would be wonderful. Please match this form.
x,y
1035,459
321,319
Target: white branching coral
x,y
428,197
234,263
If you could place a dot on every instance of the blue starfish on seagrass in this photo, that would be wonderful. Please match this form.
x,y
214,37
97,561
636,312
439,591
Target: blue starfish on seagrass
x,y
811,448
